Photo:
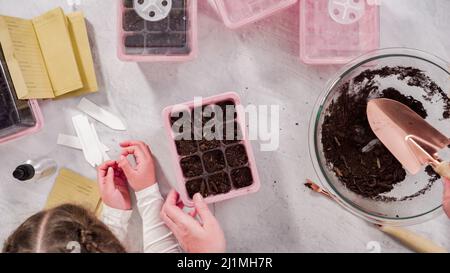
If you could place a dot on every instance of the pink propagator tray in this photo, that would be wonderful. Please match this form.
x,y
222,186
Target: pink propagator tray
x,y
143,31
30,130
337,31
181,180
237,13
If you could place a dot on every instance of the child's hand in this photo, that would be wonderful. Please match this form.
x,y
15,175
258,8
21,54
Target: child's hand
x,y
143,175
194,237
113,186
446,203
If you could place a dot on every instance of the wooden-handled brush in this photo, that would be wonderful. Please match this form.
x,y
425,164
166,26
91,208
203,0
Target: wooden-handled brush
x,y
411,240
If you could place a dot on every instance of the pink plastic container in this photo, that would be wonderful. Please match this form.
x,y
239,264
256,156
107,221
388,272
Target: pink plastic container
x,y
249,166
18,118
337,31
152,34
30,122
237,13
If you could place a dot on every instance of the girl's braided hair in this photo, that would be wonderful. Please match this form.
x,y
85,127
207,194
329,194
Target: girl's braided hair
x,y
67,228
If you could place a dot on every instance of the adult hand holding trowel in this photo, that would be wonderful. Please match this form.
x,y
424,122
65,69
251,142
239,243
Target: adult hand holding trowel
x,y
410,139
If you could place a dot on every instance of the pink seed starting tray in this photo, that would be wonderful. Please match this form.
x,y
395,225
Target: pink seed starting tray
x,y
337,31
157,30
17,117
218,168
236,13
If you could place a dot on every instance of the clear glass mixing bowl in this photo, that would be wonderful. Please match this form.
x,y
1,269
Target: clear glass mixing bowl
x,y
420,208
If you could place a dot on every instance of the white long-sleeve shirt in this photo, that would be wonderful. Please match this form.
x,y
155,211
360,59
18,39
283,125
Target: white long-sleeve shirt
x,y
156,235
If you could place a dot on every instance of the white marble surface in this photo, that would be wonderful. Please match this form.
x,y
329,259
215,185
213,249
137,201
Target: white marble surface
x,y
260,62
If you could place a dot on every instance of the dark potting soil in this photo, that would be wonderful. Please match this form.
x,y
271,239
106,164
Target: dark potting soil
x,y
219,183
241,177
215,184
196,185
346,132
214,161
186,147
221,158
191,166
206,145
236,156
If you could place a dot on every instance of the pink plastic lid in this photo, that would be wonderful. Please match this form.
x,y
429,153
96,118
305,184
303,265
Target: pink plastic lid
x,y
157,30
238,13
337,31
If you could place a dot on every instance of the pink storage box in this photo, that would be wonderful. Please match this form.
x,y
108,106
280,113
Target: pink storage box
x,y
31,121
237,13
171,38
18,118
337,31
240,120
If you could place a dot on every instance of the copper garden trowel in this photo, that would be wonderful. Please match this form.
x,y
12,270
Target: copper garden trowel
x,y
412,140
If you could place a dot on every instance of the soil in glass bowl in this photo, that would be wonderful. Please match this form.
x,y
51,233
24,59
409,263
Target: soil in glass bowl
x,y
360,161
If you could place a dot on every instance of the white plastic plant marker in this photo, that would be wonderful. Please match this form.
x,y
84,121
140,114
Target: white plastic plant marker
x,y
74,143
88,140
153,10
69,141
101,115
346,11
104,154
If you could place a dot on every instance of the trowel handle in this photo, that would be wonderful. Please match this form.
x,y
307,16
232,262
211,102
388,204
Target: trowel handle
x,y
413,240
443,169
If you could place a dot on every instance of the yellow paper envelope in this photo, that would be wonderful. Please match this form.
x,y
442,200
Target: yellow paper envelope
x,y
24,58
80,41
56,46
72,188
48,56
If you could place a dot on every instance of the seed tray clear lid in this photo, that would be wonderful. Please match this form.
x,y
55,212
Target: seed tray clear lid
x,y
337,31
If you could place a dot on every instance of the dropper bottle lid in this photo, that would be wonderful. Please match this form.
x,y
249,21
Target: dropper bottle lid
x,y
24,172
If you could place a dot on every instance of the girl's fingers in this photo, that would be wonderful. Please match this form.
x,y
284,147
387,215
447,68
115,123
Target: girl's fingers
x,y
136,151
139,144
109,180
127,143
102,169
126,167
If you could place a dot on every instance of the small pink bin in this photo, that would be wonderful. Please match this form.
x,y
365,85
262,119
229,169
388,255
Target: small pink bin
x,y
218,168
150,31
337,31
237,13
18,118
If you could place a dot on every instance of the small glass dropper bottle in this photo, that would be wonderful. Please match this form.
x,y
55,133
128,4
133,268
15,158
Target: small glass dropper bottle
x,y
35,169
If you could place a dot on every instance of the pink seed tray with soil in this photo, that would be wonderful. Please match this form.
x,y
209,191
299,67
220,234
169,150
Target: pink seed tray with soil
x,y
173,38
237,13
219,168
